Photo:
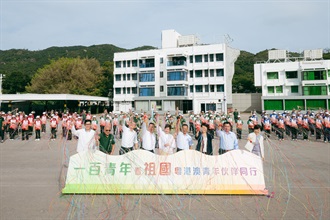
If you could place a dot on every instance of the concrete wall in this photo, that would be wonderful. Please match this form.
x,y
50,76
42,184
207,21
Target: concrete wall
x,y
246,102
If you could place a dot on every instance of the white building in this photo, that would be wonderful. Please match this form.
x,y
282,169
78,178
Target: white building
x,y
291,83
181,74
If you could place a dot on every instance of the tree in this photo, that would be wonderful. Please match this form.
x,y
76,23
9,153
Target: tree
x,y
15,82
107,84
68,75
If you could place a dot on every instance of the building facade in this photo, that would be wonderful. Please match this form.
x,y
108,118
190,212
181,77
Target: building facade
x,y
294,83
182,74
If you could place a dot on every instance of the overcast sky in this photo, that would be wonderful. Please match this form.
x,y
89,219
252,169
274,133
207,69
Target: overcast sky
x,y
253,25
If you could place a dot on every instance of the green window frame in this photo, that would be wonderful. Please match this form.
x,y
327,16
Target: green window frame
x,y
291,74
279,89
294,89
272,75
270,89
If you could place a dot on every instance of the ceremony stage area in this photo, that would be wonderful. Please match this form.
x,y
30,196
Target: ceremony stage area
x,y
32,177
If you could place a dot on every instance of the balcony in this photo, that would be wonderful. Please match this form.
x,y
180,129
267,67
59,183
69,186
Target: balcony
x,y
177,63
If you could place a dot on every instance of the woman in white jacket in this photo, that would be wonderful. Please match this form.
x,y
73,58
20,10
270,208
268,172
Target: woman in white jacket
x,y
255,143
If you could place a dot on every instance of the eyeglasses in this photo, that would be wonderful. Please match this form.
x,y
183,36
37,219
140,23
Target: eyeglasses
x,y
106,130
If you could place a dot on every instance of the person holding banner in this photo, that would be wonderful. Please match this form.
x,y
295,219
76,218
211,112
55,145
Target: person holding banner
x,y
106,141
228,139
129,137
183,139
148,136
255,143
86,137
166,140
204,140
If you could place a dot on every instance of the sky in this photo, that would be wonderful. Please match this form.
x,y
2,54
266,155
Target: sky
x,y
253,26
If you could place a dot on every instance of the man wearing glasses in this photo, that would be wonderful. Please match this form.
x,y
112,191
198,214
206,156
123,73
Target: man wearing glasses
x,y
86,137
106,141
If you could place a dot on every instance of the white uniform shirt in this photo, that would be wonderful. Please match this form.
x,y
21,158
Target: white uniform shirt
x,y
129,138
86,139
184,141
148,139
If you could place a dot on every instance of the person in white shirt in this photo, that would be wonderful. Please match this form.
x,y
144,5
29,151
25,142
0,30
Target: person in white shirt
x,y
148,136
129,137
183,139
86,137
255,142
166,140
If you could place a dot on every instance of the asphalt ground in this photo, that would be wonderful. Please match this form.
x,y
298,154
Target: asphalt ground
x,y
297,176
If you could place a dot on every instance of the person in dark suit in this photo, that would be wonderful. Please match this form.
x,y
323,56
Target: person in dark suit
x,y
204,140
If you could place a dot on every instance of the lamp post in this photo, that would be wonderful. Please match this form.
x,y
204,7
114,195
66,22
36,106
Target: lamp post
x,y
1,78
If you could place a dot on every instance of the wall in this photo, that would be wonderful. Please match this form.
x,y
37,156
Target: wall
x,y
247,102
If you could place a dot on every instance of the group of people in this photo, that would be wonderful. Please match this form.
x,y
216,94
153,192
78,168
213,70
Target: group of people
x,y
167,133
308,125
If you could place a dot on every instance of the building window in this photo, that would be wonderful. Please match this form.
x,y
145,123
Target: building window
x,y
220,88
294,89
118,77
191,89
124,90
206,88
147,77
134,76
128,63
124,63
198,58
134,90
315,90
118,64
279,89
270,89
315,75
147,91
176,91
191,59
124,77
219,72
291,74
161,74
161,88
161,60
128,90
191,73
206,58
128,77
118,90
178,75
211,73
212,88
211,57
198,73
206,73
134,63
219,57
199,88
272,75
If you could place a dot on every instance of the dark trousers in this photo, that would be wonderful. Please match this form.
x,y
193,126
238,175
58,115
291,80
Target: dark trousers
x,y
294,132
326,134
239,133
152,151
43,128
25,135
222,151
53,131
12,133
124,150
37,134
318,133
305,132
2,134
